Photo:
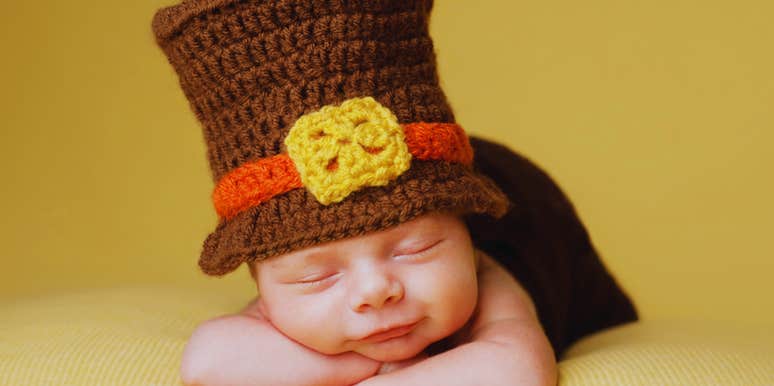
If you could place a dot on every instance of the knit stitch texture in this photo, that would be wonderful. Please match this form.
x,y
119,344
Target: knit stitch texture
x,y
251,69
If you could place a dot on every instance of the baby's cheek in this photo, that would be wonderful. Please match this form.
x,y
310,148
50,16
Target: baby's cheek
x,y
312,322
451,297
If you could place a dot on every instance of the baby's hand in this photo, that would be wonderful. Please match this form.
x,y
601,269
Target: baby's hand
x,y
247,349
392,366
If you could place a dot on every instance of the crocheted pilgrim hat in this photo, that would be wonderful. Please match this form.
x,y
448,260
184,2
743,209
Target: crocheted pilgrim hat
x,y
323,119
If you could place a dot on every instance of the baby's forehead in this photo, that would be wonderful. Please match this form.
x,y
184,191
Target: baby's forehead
x,y
415,230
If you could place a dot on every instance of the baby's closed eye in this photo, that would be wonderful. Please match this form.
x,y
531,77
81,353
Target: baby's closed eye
x,y
414,253
316,281
317,278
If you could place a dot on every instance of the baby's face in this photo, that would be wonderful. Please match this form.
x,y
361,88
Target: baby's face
x,y
386,295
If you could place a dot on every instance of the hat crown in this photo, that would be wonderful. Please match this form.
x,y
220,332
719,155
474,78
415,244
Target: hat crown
x,y
250,69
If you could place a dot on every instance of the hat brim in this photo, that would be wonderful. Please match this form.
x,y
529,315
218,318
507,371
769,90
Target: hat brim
x,y
295,220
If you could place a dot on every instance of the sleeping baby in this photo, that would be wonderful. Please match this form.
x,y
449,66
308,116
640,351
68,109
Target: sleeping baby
x,y
385,249
368,310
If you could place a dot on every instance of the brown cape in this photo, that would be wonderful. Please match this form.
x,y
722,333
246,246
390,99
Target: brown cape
x,y
543,243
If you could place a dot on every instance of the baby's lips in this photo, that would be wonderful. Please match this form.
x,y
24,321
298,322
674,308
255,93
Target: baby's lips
x,y
382,335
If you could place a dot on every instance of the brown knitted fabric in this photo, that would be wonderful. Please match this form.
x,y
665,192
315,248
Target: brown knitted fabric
x,y
250,69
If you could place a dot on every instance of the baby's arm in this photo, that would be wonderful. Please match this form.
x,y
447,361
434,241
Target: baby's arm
x,y
503,345
245,349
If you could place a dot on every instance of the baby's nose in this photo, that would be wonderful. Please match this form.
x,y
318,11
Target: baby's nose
x,y
375,291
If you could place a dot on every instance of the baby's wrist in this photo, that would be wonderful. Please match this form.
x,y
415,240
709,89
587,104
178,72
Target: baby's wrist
x,y
350,368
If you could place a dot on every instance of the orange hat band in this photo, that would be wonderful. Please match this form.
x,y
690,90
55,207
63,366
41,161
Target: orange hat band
x,y
255,182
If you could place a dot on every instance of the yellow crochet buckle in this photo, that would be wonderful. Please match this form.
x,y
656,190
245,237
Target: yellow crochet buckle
x,y
340,149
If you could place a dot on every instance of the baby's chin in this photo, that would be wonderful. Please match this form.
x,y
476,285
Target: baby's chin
x,y
391,351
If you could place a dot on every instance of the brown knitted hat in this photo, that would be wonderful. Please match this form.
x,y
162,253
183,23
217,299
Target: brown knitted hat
x,y
323,120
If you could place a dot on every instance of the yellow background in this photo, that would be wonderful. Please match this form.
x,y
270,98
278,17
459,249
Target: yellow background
x,y
654,117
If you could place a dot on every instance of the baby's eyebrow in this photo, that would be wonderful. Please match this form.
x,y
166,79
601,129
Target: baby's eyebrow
x,y
327,255
303,261
317,257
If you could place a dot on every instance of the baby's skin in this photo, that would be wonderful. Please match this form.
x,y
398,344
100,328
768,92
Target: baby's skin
x,y
365,309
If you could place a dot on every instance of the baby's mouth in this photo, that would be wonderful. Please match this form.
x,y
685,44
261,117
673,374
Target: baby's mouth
x,y
389,333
